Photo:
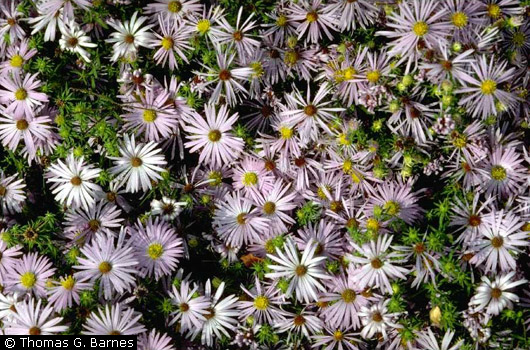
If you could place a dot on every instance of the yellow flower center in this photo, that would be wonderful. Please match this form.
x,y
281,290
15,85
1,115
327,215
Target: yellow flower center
x,y
373,76
349,73
217,178
149,116
174,6
167,43
312,16
494,11
214,135
321,193
68,283
518,39
28,279
338,335
250,179
336,206
22,124
460,141
269,246
261,302
459,19
281,21
21,94
269,208
488,87
344,140
105,267
392,208
257,69
16,61
356,177
136,162
155,250
498,172
286,132
241,219
420,28
203,26
291,57
349,296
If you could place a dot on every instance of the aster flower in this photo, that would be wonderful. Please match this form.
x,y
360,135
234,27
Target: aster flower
x,y
138,165
157,248
336,338
428,341
47,19
282,26
465,17
12,195
29,275
166,208
155,341
446,66
502,172
20,93
346,301
213,137
276,205
300,62
396,200
190,310
264,305
82,225
304,322
353,13
173,11
229,81
314,19
485,96
310,114
237,222
239,36
8,303
173,41
74,39
304,274
470,218
152,116
376,266
414,22
65,292
327,237
71,182
16,57
129,37
501,236
109,261
13,129
114,320
376,319
251,177
10,25
31,319
222,314
8,258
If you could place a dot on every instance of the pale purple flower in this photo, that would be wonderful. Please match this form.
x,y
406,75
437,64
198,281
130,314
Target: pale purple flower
x,y
303,273
212,136
20,94
429,341
376,265
174,11
118,319
9,256
32,130
502,172
16,57
129,36
265,304
138,164
72,182
29,275
12,196
157,248
239,36
34,319
65,293
110,262
314,19
376,319
190,309
174,41
155,341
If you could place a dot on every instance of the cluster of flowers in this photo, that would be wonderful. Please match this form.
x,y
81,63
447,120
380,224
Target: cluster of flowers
x,y
305,153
